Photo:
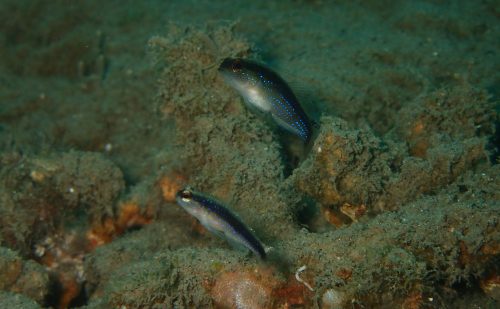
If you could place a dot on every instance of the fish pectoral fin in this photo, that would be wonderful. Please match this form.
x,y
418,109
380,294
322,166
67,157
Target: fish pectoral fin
x,y
216,232
234,243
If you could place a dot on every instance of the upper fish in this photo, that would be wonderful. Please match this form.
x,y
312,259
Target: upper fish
x,y
264,90
219,220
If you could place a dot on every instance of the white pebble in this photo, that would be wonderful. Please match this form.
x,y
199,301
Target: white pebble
x,y
332,299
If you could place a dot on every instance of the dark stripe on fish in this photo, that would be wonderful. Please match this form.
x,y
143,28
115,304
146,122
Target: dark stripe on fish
x,y
224,214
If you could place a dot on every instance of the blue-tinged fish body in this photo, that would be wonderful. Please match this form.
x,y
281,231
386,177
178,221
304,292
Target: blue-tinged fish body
x,y
266,91
219,220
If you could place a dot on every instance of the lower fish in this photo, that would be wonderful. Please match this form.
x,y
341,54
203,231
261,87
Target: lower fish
x,y
219,220
264,90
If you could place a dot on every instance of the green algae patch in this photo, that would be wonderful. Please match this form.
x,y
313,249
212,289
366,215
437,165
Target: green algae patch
x,y
57,189
179,278
25,277
224,150
14,300
356,167
427,246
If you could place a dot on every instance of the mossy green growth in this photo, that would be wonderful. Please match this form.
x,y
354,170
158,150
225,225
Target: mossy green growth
x,y
224,149
15,300
24,277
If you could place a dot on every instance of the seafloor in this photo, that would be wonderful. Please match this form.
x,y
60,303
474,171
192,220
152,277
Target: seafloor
x,y
107,108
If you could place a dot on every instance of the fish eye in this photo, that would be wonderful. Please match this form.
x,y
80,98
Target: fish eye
x,y
236,66
186,194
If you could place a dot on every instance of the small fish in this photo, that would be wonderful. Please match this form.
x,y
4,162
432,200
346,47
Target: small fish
x,y
219,220
264,90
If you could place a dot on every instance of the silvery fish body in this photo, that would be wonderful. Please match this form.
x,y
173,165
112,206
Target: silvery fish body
x,y
219,220
266,91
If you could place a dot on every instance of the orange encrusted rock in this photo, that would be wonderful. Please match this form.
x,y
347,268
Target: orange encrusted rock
x,y
170,184
244,289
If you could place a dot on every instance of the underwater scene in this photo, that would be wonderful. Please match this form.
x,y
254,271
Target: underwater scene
x,y
249,154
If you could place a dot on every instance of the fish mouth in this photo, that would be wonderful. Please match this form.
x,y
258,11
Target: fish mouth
x,y
233,65
186,192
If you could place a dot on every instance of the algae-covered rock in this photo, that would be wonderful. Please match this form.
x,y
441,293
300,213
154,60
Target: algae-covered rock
x,y
344,166
11,267
42,194
25,277
398,258
354,167
456,114
81,179
14,300
426,247
34,282
101,264
49,206
177,279
225,150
